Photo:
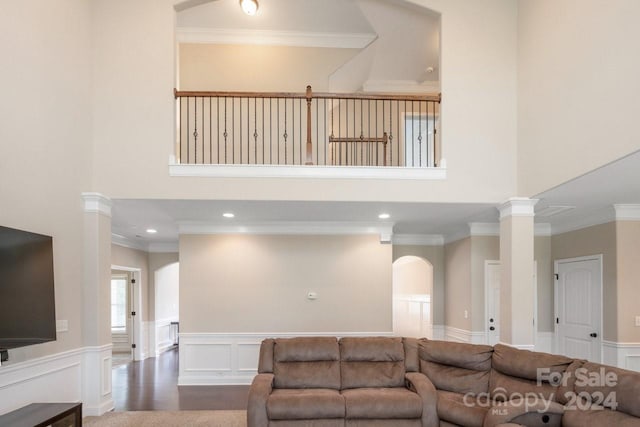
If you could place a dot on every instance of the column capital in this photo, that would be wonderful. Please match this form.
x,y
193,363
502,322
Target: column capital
x,y
517,206
97,203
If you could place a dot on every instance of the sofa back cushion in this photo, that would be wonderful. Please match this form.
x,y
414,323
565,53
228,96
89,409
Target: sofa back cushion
x,y
371,362
306,362
411,359
265,361
610,387
456,367
516,372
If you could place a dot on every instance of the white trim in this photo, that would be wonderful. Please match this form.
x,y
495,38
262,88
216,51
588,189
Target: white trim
x,y
627,212
139,337
454,237
232,358
545,342
602,217
97,203
464,336
40,379
301,228
517,206
484,229
418,239
125,242
319,172
487,263
163,247
400,86
624,355
274,38
542,229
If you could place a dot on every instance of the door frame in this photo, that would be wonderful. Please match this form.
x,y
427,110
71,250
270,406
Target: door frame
x,y
487,263
136,305
597,257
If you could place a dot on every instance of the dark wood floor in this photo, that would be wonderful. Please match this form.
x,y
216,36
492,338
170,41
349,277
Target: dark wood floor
x,y
152,385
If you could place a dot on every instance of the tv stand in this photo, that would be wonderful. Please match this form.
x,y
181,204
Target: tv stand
x,y
43,414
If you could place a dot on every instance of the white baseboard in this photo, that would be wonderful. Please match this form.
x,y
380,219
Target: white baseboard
x,y
79,375
622,355
231,358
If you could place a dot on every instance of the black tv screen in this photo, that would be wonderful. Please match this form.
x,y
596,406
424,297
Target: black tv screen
x,y
27,300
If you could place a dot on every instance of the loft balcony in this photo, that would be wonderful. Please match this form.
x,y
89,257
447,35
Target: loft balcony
x,y
307,134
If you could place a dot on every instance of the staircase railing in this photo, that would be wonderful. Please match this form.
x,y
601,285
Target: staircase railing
x,y
306,128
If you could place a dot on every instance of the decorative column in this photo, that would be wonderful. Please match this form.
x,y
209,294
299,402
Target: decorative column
x,y
517,279
97,398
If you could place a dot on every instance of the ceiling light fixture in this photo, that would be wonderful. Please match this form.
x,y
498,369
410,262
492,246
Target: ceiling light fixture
x,y
384,216
250,7
228,215
152,230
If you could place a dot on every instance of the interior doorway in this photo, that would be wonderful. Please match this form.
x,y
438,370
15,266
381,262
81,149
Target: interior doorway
x,y
126,316
412,285
578,307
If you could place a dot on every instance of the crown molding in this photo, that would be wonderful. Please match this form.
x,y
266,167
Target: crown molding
x,y
484,229
418,239
627,212
97,203
458,235
385,230
125,242
542,229
602,217
274,38
517,206
163,248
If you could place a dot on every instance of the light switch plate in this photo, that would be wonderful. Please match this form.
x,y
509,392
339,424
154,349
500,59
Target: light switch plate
x,y
62,325
312,295
637,320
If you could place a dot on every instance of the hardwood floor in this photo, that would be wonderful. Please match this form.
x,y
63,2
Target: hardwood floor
x,y
152,385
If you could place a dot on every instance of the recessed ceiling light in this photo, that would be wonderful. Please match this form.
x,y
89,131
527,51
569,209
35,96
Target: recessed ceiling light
x,y
228,215
250,7
384,216
152,230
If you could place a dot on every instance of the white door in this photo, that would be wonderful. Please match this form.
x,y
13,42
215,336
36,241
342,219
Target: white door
x,y
579,307
492,289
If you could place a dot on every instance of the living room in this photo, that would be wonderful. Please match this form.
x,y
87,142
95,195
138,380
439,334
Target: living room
x,y
90,109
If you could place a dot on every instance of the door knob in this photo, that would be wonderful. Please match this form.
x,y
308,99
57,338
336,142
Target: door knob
x,y
593,335
491,320
491,328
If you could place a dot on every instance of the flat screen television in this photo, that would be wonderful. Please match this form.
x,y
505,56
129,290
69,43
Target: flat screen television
x,y
27,300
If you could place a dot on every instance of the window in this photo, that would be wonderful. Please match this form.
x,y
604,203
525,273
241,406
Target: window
x,y
119,304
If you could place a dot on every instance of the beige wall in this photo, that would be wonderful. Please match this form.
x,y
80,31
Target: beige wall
x,y
157,261
133,258
458,284
599,239
542,255
45,143
435,256
258,68
133,72
628,279
483,248
565,108
259,283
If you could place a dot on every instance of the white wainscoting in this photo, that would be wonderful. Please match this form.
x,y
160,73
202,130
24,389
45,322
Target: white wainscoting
x,y
622,355
82,374
464,336
164,340
231,358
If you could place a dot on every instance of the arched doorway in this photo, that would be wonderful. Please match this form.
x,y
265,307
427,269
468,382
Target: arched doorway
x,y
412,285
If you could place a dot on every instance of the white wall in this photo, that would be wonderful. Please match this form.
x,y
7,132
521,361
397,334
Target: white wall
x,y
578,88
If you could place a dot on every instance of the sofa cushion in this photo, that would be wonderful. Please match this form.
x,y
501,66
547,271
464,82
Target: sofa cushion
x,y
456,367
598,418
383,423
609,386
468,356
503,387
371,362
464,411
308,362
265,361
526,364
566,389
296,404
411,359
382,403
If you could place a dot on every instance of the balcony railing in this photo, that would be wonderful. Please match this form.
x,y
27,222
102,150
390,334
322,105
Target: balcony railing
x,y
328,129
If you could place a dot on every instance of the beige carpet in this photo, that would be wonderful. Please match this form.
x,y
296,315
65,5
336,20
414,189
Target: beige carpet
x,y
169,419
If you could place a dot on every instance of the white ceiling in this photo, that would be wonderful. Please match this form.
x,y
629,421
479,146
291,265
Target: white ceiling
x,y
593,194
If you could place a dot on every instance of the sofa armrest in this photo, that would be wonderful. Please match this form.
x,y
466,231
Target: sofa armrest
x,y
532,408
420,384
259,392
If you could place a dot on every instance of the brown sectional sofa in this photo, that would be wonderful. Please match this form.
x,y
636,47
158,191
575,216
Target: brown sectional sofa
x,y
408,382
